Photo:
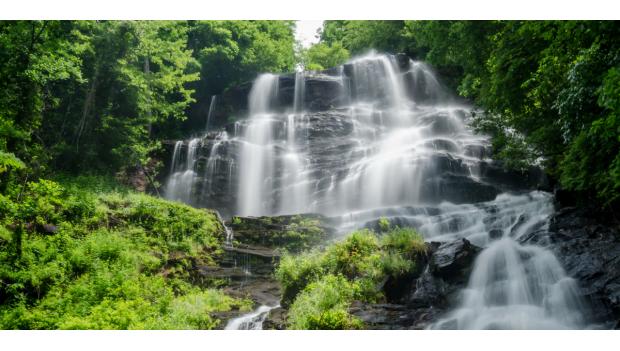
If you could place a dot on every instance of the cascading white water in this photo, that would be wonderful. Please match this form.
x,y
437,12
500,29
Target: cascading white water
x,y
515,286
181,181
512,286
257,157
211,111
294,194
251,321
409,151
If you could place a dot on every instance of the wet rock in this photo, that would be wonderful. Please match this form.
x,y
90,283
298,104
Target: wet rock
x,y
429,291
587,244
322,93
453,260
276,320
457,189
531,178
393,316
383,316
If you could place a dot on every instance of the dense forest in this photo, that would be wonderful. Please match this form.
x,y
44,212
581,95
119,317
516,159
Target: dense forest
x,y
85,104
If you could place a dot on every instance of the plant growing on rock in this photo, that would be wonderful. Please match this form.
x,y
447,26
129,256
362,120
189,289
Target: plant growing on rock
x,y
363,261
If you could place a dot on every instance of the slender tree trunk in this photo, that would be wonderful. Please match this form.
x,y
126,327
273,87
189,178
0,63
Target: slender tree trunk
x,y
86,110
147,73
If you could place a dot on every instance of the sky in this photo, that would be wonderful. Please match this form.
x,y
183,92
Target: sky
x,y
305,32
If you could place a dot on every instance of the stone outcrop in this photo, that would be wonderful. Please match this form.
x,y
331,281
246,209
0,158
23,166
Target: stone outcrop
x,y
452,260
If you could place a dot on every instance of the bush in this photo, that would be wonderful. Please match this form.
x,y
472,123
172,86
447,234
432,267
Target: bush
x,y
404,240
384,224
362,261
295,272
323,305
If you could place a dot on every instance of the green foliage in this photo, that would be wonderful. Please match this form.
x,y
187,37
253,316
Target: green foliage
x,y
323,305
115,259
360,36
233,52
384,224
357,264
99,95
322,56
403,240
593,159
8,161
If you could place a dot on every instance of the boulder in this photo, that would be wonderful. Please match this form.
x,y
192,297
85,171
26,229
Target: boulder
x,y
453,260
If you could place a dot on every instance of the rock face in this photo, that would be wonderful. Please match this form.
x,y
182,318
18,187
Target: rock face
x,y
330,135
323,91
588,246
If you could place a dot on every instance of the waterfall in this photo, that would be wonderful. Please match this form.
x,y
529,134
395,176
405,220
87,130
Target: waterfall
x,y
515,286
180,184
393,143
257,157
211,110
294,195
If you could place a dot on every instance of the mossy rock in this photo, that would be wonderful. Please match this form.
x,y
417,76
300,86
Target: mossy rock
x,y
293,233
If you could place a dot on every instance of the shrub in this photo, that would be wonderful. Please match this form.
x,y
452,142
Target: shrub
x,y
358,264
116,260
396,265
323,305
384,224
404,240
295,272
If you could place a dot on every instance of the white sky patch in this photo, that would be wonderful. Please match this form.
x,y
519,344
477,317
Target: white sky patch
x,y
305,32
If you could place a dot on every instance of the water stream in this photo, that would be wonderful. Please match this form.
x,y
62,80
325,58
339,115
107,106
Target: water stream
x,y
250,321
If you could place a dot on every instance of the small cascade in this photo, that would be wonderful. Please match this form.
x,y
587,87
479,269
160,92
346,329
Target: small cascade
x,y
515,286
212,106
512,286
180,184
299,93
217,161
251,321
228,242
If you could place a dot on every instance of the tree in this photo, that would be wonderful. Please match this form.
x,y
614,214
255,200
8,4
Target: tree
x,y
232,52
322,56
